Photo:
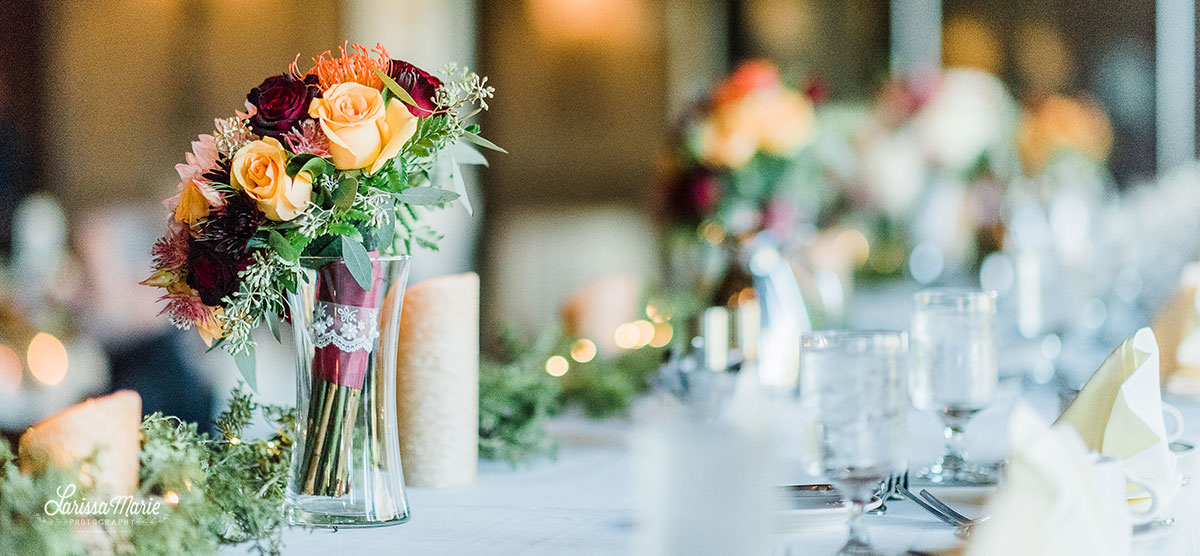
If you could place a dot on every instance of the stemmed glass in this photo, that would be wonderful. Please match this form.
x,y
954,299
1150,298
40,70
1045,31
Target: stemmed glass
x,y
954,372
853,397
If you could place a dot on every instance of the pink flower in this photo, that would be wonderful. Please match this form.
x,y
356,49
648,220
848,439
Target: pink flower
x,y
184,309
171,251
196,197
307,138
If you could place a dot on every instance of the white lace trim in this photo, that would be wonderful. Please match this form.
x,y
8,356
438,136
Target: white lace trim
x,y
348,328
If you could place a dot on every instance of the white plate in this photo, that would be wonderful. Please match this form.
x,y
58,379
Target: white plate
x,y
816,510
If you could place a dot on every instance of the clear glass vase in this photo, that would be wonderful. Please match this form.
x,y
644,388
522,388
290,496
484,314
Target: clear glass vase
x,y
345,469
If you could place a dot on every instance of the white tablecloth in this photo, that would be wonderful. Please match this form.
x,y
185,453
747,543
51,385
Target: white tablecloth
x,y
580,504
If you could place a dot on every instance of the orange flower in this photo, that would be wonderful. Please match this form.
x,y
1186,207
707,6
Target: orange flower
x,y
1060,123
209,326
195,201
362,132
259,169
751,76
353,66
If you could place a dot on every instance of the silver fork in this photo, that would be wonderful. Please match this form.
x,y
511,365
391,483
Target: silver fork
x,y
937,512
963,520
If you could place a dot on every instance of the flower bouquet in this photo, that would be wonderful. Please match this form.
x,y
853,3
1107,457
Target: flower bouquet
x,y
307,206
935,164
738,164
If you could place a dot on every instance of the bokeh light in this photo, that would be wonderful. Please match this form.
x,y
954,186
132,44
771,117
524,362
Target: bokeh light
x,y
557,365
583,350
645,333
47,359
662,335
10,370
626,336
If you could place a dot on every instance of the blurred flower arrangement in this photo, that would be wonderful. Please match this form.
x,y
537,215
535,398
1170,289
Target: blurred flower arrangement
x,y
935,153
1059,134
737,165
336,161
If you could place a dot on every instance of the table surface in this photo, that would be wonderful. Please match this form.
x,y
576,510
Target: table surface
x,y
581,503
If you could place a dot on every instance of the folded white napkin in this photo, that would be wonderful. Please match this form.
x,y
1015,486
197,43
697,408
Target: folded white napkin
x,y
1119,414
1050,503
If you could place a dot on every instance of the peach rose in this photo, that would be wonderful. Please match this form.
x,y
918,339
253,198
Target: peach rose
x,y
362,132
786,123
728,138
259,170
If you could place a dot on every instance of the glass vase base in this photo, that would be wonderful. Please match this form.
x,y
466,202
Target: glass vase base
x,y
328,512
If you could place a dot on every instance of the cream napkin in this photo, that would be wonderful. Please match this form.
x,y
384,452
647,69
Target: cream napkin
x,y
1119,413
1049,503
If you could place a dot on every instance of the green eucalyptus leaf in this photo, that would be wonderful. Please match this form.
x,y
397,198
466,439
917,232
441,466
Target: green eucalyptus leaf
x,y
282,246
246,364
386,234
426,196
358,262
395,88
466,154
460,186
475,138
272,319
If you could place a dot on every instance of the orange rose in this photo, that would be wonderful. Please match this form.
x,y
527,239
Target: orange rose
x,y
259,170
362,132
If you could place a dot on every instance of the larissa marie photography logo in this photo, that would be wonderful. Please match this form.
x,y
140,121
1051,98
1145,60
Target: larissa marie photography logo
x,y
116,509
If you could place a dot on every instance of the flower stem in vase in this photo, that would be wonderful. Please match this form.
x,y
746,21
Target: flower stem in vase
x,y
344,323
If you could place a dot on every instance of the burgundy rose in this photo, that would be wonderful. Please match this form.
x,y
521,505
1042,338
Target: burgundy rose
x,y
418,83
281,102
696,196
212,273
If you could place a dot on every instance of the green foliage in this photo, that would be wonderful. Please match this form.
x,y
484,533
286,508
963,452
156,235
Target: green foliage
x,y
230,489
24,528
605,387
515,399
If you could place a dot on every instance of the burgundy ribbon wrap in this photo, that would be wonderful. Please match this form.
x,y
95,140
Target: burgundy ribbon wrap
x,y
336,285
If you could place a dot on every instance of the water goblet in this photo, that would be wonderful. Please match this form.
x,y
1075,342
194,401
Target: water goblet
x,y
954,372
853,399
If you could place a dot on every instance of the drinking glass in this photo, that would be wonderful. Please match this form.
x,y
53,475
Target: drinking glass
x,y
853,397
954,372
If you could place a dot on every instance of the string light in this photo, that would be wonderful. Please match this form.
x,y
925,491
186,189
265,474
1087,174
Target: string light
x,y
171,497
662,335
557,365
645,333
626,336
583,350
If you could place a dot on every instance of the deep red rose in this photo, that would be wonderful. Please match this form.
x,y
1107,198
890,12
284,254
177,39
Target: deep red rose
x,y
212,273
418,83
696,196
281,102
